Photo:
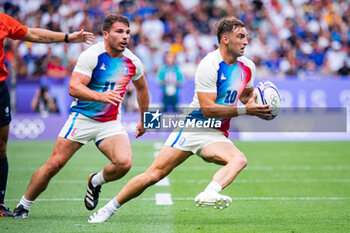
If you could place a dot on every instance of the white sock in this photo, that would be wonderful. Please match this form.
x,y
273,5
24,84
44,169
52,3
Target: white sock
x,y
213,187
112,206
26,203
98,179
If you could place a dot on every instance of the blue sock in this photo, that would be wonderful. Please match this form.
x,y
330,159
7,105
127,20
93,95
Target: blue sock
x,y
4,168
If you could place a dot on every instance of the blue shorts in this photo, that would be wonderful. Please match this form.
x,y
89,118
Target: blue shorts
x,y
5,108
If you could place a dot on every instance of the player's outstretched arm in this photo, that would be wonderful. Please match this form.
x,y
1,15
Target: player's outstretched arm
x,y
40,35
78,89
142,96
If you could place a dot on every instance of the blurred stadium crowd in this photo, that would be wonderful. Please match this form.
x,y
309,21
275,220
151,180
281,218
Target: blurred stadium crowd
x,y
307,39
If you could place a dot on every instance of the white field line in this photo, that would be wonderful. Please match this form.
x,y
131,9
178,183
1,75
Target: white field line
x,y
214,168
269,181
163,182
305,154
192,199
166,182
163,199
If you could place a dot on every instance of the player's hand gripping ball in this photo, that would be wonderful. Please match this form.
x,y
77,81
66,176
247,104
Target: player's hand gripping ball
x,y
267,93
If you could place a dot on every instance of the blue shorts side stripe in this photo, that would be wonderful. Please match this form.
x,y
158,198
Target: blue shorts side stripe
x,y
98,142
177,138
71,127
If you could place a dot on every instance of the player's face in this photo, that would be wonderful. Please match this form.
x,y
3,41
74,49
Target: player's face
x,y
118,37
238,41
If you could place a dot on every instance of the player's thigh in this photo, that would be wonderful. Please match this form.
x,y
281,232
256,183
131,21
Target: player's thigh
x,y
4,134
62,151
116,148
167,159
221,152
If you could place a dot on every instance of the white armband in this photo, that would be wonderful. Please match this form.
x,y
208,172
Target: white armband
x,y
241,110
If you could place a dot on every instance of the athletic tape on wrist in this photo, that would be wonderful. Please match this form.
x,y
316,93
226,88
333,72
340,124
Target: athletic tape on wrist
x,y
241,110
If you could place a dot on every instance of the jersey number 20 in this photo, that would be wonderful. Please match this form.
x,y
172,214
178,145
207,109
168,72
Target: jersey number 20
x,y
230,97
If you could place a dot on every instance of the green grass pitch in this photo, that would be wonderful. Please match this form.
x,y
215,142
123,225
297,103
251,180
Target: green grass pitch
x,y
287,187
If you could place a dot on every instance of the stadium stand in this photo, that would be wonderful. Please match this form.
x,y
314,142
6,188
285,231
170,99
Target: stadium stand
x,y
304,38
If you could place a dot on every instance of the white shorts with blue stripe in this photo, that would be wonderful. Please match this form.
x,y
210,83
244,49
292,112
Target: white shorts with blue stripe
x,y
195,141
80,128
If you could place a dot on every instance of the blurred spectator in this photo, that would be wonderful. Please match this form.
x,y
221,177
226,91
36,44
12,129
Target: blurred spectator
x,y
67,57
30,59
143,51
170,79
177,46
344,71
43,103
20,69
55,69
336,56
190,42
201,21
273,63
153,29
317,55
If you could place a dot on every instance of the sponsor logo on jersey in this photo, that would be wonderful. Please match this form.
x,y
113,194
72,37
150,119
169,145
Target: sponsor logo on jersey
x,y
223,77
103,66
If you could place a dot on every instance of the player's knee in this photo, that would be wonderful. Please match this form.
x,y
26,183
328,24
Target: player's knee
x,y
127,165
242,161
123,164
52,168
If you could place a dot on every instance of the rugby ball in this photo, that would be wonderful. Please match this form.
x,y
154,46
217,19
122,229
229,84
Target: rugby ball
x,y
267,93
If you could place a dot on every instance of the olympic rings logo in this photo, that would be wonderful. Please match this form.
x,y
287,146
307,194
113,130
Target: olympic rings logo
x,y
274,100
27,128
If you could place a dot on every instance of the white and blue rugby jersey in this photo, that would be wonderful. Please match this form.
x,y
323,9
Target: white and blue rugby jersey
x,y
107,73
228,81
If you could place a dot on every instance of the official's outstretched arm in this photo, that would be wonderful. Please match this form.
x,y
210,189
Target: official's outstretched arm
x,y
40,35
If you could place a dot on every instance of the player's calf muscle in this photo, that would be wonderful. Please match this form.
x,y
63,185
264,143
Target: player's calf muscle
x,y
153,177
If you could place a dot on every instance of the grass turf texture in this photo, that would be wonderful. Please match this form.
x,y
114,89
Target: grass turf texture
x,y
270,195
